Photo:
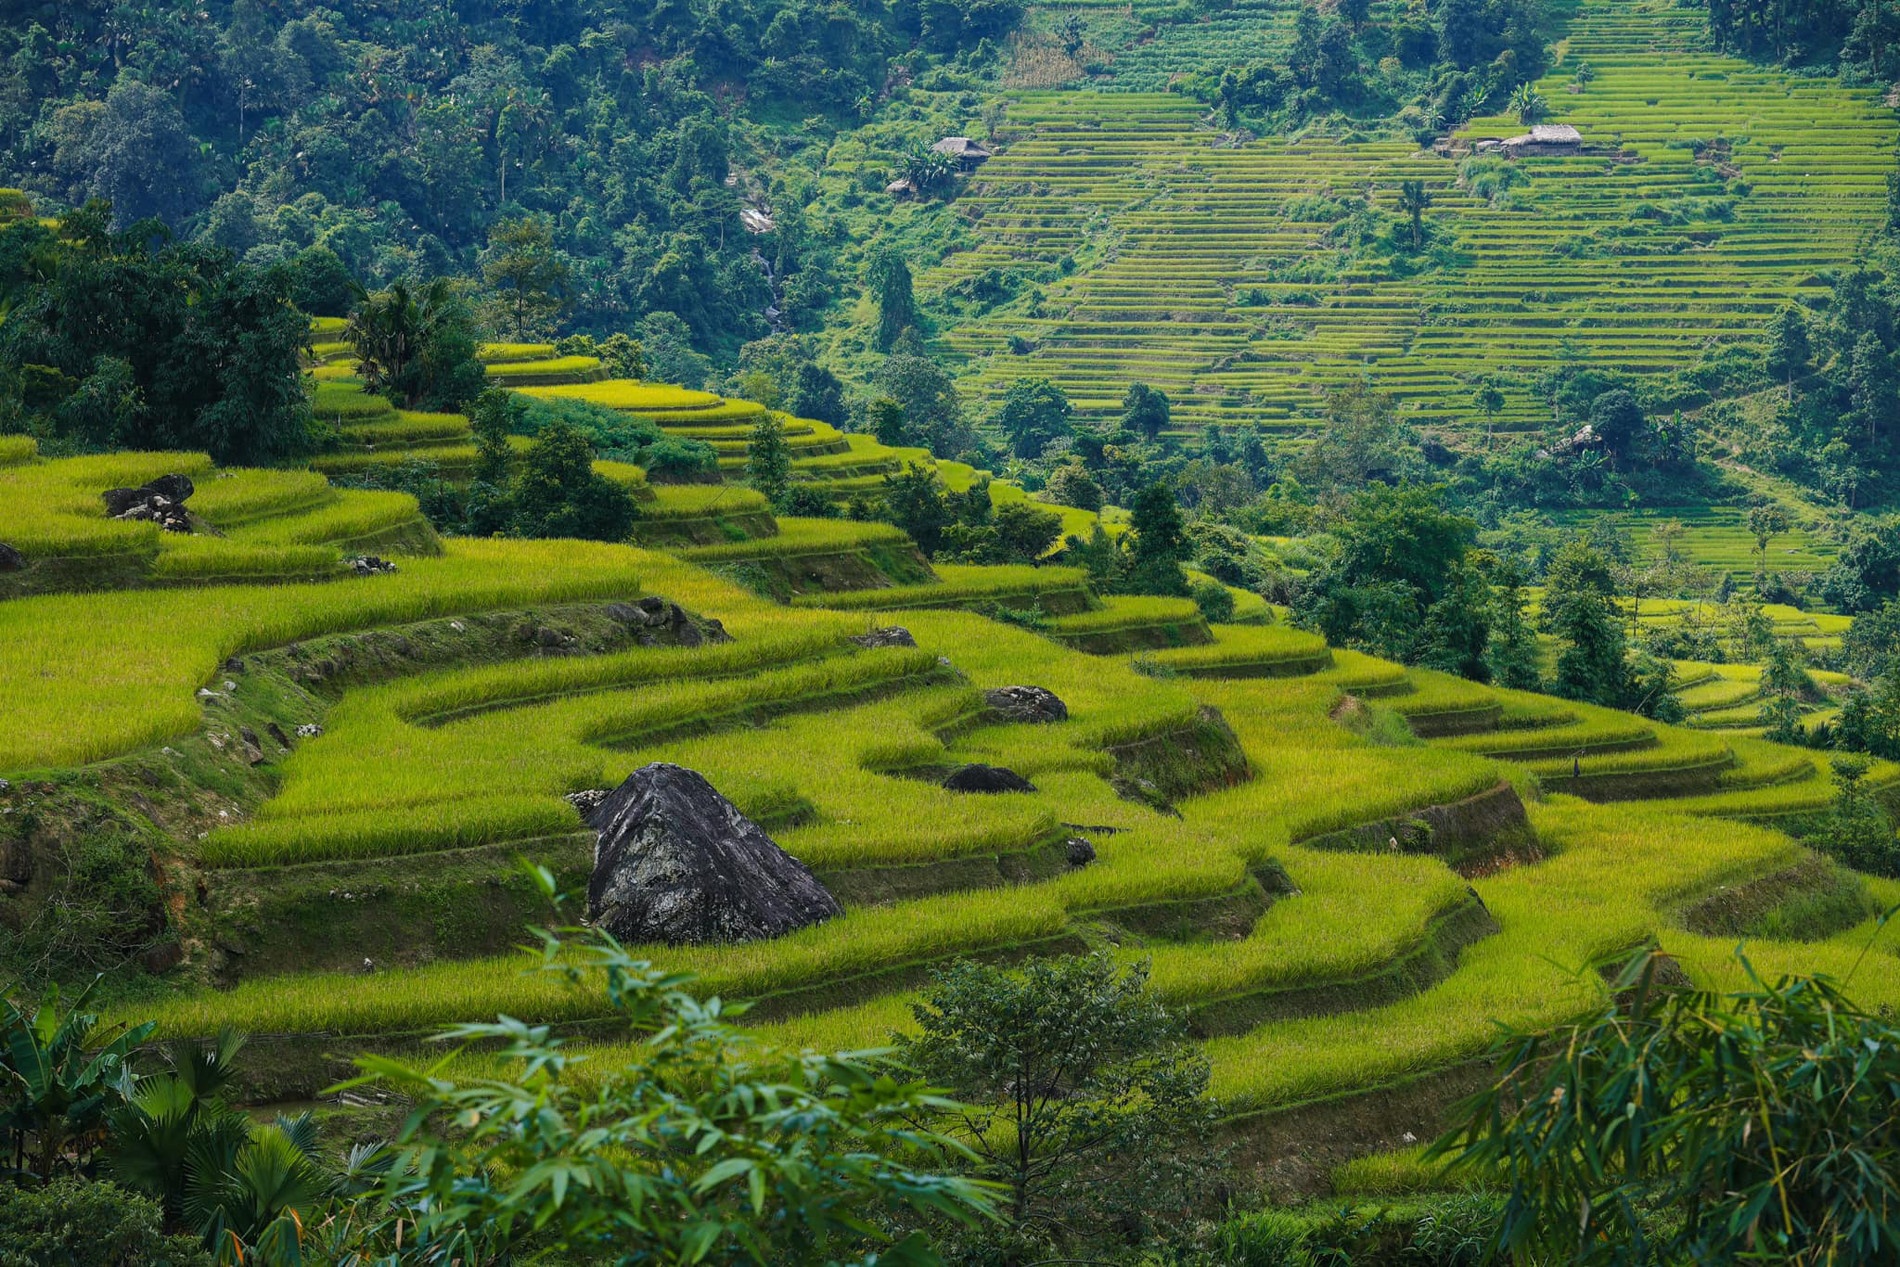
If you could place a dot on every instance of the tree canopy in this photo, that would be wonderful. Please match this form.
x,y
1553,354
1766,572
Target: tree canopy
x,y
130,340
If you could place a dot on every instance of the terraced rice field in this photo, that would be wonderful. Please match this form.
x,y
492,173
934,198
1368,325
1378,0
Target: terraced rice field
x,y
1218,273
1303,888
1718,542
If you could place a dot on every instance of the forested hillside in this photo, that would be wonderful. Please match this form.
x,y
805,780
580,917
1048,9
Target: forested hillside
x,y
390,139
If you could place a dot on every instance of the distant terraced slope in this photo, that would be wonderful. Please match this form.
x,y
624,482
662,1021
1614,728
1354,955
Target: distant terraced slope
x,y
1191,272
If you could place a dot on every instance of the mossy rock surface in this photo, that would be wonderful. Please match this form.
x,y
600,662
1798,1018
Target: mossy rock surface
x,y
1474,836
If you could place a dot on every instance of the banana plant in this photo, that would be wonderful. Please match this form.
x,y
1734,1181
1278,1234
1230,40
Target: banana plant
x,y
62,1075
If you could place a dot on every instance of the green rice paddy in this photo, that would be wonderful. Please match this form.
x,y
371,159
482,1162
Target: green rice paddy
x,y
838,747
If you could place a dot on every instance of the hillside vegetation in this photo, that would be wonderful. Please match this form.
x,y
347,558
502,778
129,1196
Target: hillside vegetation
x,y
1456,554
1243,277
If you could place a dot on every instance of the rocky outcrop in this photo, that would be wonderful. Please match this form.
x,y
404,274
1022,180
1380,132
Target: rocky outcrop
x,y
977,777
161,502
11,560
886,636
657,614
1027,704
1079,850
369,565
678,863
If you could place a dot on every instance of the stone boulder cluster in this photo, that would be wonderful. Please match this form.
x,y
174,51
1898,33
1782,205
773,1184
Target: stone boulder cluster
x,y
369,565
161,502
1024,705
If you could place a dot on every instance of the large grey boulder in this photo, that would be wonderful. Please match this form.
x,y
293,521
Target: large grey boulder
x,y
678,863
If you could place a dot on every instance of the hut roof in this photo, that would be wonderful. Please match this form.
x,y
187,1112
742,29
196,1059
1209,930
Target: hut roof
x,y
960,147
1547,134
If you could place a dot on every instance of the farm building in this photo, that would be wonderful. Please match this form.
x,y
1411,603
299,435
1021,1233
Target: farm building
x,y
968,153
1544,138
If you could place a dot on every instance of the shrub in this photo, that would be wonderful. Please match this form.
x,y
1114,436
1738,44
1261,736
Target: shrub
x,y
73,1223
1088,1102
1071,485
1215,600
1857,832
1761,1121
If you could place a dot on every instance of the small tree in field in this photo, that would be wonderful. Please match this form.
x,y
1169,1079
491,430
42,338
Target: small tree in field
x,y
1789,349
1145,410
1490,402
1087,1102
768,460
1765,523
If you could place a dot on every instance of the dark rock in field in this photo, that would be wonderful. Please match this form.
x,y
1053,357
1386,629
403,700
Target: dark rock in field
x,y
253,750
1080,851
11,560
678,863
1028,704
120,500
588,801
277,735
369,565
886,636
977,777
174,488
163,957
161,502
656,613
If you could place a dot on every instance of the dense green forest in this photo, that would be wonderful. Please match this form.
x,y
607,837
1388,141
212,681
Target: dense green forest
x,y
382,140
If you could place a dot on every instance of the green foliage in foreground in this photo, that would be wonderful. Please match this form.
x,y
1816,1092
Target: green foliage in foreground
x,y
707,1148
78,1224
1692,1126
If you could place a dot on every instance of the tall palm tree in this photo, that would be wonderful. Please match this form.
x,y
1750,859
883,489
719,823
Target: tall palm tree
x,y
1413,200
389,328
